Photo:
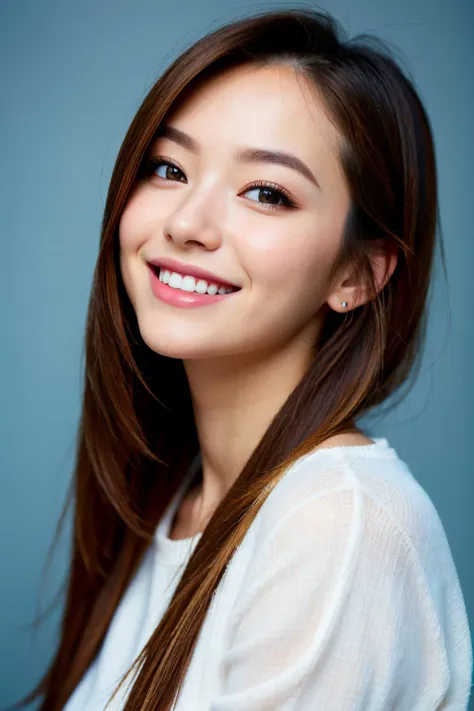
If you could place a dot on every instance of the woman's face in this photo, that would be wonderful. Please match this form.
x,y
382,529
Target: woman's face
x,y
206,213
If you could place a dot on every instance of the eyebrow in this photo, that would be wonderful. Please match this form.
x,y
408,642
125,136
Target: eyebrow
x,y
245,155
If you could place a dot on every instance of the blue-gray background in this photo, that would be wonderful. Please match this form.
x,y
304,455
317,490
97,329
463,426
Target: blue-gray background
x,y
72,77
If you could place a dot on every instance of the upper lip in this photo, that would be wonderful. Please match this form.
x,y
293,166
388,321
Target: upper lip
x,y
173,266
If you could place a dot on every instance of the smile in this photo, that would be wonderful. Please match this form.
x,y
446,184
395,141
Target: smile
x,y
187,283
186,291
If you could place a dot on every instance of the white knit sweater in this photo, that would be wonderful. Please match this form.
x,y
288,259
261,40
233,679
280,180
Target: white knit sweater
x,y
343,596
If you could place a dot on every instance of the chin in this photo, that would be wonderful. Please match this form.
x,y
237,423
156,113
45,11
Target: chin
x,y
165,345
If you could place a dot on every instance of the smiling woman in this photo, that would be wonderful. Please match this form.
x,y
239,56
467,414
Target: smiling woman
x,y
276,237
266,254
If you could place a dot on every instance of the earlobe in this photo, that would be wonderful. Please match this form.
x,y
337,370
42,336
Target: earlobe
x,y
349,295
341,305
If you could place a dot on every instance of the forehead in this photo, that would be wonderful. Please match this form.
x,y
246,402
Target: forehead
x,y
272,106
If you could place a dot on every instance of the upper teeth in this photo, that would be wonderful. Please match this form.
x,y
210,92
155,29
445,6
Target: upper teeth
x,y
189,283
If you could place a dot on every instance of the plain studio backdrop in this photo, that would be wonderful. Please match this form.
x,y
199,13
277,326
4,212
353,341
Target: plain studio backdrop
x,y
72,77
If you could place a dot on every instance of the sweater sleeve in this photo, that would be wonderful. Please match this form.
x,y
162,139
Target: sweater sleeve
x,y
335,614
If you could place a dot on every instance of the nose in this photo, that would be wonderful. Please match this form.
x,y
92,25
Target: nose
x,y
195,220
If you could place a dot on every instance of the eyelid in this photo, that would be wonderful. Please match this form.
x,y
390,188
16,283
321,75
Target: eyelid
x,y
272,186
164,159
291,202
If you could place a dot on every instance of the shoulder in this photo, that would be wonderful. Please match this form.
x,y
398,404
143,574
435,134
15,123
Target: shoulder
x,y
365,498
346,574
348,526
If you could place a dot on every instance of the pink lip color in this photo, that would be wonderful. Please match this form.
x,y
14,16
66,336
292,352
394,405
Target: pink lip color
x,y
176,297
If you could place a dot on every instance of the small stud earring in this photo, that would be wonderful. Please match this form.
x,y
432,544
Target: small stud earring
x,y
344,304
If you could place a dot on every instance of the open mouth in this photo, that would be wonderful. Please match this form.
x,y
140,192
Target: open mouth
x,y
229,287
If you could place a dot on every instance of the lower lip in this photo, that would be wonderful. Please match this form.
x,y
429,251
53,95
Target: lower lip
x,y
176,297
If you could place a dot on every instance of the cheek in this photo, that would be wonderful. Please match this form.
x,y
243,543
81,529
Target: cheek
x,y
129,229
295,261
139,220
131,238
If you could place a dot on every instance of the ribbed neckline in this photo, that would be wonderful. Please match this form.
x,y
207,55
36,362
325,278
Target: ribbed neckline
x,y
175,552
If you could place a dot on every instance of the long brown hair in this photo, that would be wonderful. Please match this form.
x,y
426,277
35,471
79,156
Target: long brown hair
x,y
131,454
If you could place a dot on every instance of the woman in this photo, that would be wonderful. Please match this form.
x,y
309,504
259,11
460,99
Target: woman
x,y
265,259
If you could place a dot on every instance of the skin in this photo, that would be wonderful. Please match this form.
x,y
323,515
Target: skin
x,y
244,355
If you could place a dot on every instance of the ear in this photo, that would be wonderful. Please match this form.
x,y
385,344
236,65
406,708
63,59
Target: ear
x,y
383,261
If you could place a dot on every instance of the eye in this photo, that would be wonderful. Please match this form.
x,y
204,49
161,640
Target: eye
x,y
171,169
272,194
275,197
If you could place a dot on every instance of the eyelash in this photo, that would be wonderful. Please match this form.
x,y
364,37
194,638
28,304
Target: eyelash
x,y
288,203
